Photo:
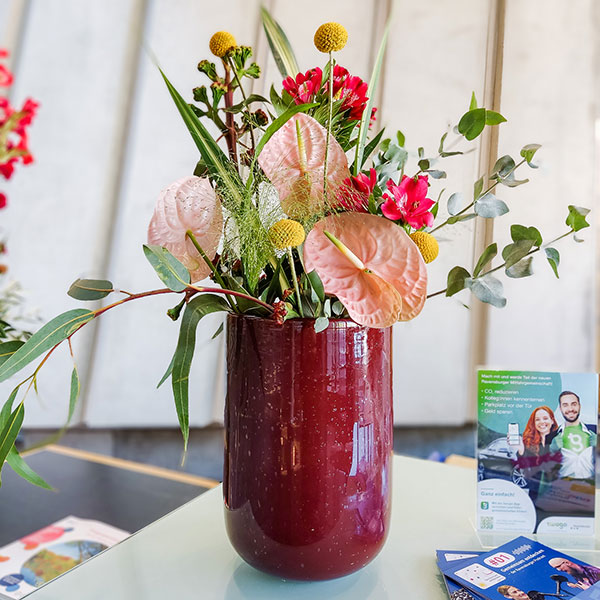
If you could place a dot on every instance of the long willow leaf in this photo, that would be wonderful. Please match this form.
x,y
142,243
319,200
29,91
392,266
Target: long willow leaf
x,y
52,333
280,46
21,468
212,155
198,307
9,432
366,116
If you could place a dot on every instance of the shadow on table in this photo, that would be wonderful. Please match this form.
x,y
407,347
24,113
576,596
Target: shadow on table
x,y
249,584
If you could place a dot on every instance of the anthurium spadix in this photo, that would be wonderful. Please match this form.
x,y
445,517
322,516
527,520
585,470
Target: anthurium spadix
x,y
190,204
371,265
293,160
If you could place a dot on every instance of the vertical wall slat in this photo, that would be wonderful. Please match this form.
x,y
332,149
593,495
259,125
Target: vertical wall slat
x,y
548,98
71,60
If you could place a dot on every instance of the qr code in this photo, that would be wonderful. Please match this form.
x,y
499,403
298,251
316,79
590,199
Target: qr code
x,y
486,523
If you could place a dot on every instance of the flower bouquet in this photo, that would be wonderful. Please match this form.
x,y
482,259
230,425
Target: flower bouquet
x,y
315,231
13,150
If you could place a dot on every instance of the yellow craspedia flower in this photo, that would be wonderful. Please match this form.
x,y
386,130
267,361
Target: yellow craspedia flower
x,y
286,234
220,42
427,245
330,37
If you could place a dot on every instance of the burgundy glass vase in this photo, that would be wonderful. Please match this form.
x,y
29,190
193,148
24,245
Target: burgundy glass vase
x,y
308,445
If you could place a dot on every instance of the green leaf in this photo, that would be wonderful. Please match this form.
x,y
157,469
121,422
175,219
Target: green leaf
x,y
493,118
460,218
280,46
321,324
576,219
528,152
488,289
370,148
424,164
218,332
167,373
73,395
457,280
52,333
436,174
455,202
513,253
236,108
473,104
553,257
486,257
363,129
90,289
520,232
521,269
478,188
441,146
472,123
9,432
489,207
198,307
503,166
171,272
21,468
215,159
316,284
8,349
401,138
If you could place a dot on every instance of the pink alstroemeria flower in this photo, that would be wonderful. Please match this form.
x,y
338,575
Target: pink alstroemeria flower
x,y
354,196
409,203
305,86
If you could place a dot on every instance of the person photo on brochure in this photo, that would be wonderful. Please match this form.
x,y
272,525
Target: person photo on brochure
x,y
534,456
585,576
514,593
574,440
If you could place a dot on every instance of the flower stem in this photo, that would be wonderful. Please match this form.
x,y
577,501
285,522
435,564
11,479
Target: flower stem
x,y
212,267
560,237
466,208
230,135
245,100
331,61
295,278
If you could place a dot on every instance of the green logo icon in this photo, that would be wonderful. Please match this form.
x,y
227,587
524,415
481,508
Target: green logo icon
x,y
485,505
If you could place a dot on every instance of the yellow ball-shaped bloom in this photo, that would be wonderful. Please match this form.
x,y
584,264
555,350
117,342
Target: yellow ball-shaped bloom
x,y
330,37
220,42
286,234
427,245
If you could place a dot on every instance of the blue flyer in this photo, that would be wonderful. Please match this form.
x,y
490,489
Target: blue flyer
x,y
455,590
536,451
526,570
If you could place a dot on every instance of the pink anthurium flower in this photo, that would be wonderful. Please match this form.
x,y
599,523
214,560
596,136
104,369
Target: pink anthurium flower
x,y
189,203
375,270
293,160
408,202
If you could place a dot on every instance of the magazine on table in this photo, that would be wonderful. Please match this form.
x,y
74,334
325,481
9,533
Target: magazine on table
x,y
518,570
537,435
39,557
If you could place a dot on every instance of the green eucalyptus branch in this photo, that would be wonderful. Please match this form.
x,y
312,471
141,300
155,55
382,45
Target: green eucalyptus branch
x,y
503,265
481,195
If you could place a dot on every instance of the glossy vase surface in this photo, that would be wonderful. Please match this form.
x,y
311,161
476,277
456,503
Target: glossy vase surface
x,y
308,448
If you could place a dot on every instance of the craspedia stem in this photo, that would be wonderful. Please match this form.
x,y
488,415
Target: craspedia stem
x,y
331,62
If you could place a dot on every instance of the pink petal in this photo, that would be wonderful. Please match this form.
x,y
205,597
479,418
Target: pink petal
x,y
297,173
188,203
390,209
386,250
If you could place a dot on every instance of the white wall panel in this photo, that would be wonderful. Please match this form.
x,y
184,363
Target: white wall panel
x,y
436,57
72,58
548,98
135,344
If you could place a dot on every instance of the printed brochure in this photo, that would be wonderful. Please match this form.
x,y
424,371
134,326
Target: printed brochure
x,y
39,557
536,451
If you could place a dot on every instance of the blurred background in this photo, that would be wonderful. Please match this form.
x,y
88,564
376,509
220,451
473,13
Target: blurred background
x,y
107,139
